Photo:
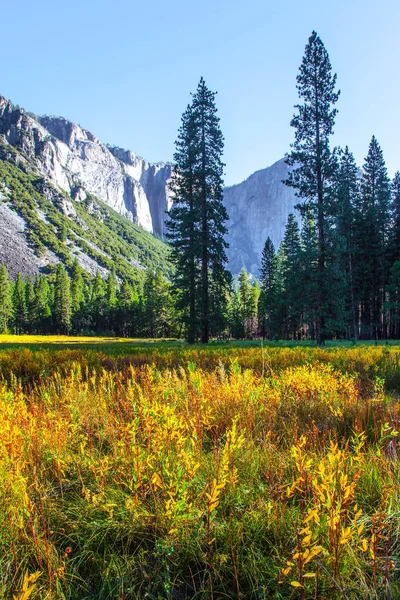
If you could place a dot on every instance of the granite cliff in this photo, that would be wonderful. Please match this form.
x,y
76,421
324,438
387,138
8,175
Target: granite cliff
x,y
74,161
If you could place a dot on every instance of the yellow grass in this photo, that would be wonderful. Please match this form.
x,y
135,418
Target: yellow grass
x,y
208,480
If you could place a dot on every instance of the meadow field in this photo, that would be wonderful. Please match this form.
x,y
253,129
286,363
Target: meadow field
x,y
133,469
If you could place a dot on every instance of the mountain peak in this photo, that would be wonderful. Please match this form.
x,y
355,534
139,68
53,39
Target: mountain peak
x,y
72,158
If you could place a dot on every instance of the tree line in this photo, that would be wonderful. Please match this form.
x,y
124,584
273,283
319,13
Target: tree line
x,y
361,280
75,303
338,275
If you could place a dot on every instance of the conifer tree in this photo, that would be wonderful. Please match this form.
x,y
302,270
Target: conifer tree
x,y
393,302
126,314
97,303
213,215
293,294
248,304
395,238
30,305
268,289
19,305
78,298
235,320
307,277
42,311
110,299
62,300
183,224
197,220
5,299
156,304
373,241
77,287
347,219
311,158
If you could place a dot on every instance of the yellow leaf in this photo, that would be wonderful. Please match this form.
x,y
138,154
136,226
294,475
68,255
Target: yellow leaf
x,y
309,575
296,584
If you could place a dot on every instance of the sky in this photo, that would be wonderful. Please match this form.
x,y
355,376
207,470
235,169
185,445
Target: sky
x,y
124,70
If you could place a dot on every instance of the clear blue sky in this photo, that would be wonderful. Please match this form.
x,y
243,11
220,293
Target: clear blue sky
x,y
125,69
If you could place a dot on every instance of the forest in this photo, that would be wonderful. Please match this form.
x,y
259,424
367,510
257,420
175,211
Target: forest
x,y
335,275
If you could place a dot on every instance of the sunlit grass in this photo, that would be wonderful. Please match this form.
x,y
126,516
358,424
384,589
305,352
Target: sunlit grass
x,y
176,472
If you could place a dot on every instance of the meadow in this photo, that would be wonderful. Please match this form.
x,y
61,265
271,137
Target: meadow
x,y
133,470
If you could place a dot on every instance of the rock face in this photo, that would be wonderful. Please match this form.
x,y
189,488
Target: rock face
x,y
71,157
75,160
258,207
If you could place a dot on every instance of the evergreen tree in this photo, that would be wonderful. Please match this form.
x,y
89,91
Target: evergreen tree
x,y
312,161
62,301
248,304
268,290
42,315
235,321
110,300
395,241
30,305
213,215
77,287
78,320
98,304
293,294
373,241
347,219
126,315
183,225
307,278
219,299
393,303
5,299
19,305
280,312
197,220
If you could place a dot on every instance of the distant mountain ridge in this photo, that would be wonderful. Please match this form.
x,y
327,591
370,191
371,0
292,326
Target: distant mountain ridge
x,y
75,161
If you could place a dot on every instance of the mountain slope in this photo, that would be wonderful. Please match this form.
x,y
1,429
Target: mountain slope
x,y
41,225
72,157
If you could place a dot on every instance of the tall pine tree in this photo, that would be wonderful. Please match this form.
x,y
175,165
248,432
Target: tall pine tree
x,y
311,158
347,219
19,305
62,301
183,224
292,292
267,298
197,220
373,240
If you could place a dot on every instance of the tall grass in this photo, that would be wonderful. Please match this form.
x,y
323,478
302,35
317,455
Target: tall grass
x,y
187,473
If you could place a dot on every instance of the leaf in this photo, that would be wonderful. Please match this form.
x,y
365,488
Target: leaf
x,y
296,584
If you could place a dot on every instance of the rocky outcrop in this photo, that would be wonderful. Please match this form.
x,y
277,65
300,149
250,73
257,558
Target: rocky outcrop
x,y
15,251
258,207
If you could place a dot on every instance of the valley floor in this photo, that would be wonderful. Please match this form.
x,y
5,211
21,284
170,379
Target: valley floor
x,y
136,469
